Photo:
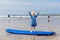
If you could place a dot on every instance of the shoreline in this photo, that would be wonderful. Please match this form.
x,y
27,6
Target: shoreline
x,y
28,16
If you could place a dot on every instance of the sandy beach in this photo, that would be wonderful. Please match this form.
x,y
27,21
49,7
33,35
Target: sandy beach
x,y
24,24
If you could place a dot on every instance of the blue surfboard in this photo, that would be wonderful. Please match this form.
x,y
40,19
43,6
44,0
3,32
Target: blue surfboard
x,y
27,32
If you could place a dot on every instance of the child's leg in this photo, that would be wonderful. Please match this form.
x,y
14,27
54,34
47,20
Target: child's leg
x,y
31,29
34,28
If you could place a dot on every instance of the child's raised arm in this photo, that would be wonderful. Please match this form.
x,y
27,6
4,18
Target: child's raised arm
x,y
30,14
37,14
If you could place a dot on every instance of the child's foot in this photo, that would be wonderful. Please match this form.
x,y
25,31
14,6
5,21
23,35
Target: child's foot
x,y
31,31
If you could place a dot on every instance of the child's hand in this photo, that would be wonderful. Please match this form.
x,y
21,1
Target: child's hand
x,y
28,12
37,14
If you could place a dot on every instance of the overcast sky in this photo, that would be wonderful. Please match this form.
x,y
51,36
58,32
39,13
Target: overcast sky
x,y
23,6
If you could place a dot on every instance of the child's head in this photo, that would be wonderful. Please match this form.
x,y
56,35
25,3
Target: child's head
x,y
33,13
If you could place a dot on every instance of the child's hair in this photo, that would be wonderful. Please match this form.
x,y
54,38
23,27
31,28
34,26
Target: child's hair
x,y
33,13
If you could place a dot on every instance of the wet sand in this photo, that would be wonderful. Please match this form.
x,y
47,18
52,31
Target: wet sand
x,y
24,24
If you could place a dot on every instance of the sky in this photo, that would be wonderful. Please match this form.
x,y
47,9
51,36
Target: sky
x,y
22,7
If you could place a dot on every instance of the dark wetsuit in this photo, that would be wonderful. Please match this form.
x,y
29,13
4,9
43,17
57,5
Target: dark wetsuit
x,y
9,15
33,18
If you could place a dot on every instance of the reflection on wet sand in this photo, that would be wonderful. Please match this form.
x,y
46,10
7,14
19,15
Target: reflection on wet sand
x,y
32,37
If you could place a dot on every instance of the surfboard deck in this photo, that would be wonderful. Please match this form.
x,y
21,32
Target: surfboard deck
x,y
27,32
